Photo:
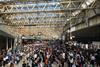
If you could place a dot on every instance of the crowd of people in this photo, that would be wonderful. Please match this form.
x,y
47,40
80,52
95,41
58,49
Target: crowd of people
x,y
48,56
62,55
82,57
52,54
10,57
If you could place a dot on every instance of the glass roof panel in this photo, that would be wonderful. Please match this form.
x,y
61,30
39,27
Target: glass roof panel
x,y
38,6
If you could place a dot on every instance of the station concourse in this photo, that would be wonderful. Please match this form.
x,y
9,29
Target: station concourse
x,y
49,33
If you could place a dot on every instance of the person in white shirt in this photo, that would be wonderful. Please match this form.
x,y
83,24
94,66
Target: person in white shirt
x,y
92,57
71,60
63,55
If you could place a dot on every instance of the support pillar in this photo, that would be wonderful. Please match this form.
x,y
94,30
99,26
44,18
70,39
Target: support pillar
x,y
7,43
11,44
